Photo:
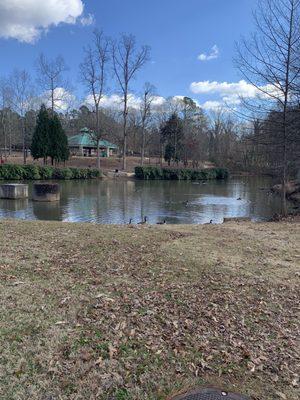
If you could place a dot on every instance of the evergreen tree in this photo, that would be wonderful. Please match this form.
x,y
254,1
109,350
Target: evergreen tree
x,y
169,153
58,141
172,134
40,138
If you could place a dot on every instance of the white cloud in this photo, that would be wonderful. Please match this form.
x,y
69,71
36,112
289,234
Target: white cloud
x,y
241,88
158,101
26,20
63,99
230,94
87,20
211,105
214,53
115,101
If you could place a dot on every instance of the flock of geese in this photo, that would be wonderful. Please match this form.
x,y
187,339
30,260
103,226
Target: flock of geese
x,y
145,220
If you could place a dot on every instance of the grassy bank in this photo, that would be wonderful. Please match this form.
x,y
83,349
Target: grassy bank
x,y
108,312
157,173
38,172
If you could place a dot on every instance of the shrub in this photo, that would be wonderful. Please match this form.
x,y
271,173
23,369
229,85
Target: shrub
x,y
83,173
46,172
31,172
94,173
12,172
150,172
62,173
36,172
222,173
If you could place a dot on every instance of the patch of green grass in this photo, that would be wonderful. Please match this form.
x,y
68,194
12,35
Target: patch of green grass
x,y
122,394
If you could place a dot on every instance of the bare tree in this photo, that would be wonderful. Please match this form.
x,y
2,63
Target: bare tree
x,y
22,95
127,61
50,79
270,61
5,101
145,114
94,75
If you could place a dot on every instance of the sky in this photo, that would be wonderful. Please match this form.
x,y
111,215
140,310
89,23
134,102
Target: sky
x,y
192,41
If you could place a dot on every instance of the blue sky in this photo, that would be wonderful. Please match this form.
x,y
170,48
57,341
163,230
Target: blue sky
x,y
178,32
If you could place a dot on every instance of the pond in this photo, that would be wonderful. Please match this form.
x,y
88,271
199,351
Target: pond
x,y
177,202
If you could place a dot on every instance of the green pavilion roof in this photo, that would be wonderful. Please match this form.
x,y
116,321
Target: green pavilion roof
x,y
85,139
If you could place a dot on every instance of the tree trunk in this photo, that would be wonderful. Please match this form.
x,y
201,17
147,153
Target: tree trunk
x,y
125,131
98,136
5,145
284,164
9,142
124,151
52,97
143,143
98,153
23,141
161,155
285,119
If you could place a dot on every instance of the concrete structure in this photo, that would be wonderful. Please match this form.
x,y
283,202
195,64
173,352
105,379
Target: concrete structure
x,y
84,145
46,192
13,191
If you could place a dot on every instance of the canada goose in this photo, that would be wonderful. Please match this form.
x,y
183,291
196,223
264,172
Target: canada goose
x,y
130,221
144,221
210,222
186,202
161,223
239,199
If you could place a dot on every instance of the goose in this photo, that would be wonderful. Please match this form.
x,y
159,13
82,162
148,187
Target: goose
x,y
239,199
210,222
161,223
144,221
130,221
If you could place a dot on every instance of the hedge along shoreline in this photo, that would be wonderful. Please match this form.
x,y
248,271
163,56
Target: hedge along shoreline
x,y
37,172
157,173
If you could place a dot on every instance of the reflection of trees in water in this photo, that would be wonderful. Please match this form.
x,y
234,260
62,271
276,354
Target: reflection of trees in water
x,y
116,201
101,201
49,211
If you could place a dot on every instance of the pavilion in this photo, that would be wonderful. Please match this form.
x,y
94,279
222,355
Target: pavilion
x,y
83,144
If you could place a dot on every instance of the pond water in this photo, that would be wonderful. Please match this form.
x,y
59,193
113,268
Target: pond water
x,y
116,201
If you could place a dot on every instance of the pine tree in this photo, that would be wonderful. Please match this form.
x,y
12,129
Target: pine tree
x,y
40,138
169,153
58,141
172,135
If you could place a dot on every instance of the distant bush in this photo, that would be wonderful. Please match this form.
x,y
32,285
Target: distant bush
x,y
37,172
79,173
12,172
46,172
31,172
62,173
94,173
151,173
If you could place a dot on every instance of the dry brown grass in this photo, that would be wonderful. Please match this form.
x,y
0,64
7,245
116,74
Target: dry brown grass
x,y
110,312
